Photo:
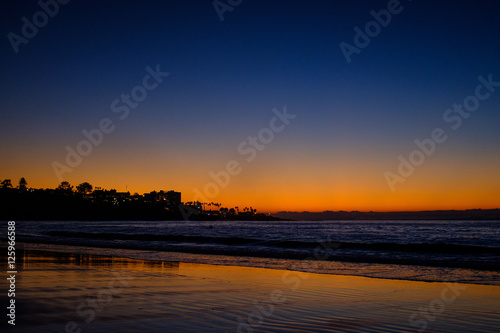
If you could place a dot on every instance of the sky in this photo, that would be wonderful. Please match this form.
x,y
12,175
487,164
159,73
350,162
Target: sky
x,y
278,105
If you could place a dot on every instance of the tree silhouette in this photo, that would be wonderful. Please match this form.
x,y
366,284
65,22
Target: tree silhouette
x,y
84,188
65,187
23,184
6,183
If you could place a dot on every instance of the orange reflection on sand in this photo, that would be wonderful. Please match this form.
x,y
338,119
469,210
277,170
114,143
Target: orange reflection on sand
x,y
100,293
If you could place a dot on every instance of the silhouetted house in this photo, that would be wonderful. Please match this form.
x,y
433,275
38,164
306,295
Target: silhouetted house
x,y
121,197
101,196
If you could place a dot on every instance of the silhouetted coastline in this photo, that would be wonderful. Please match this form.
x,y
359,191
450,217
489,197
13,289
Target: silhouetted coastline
x,y
87,203
63,204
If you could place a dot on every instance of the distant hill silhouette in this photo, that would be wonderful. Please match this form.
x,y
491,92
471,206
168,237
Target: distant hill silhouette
x,y
470,214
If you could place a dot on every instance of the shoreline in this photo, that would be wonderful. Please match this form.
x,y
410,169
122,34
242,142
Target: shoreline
x,y
398,272
100,293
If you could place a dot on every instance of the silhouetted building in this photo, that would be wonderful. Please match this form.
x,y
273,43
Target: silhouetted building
x,y
111,196
173,199
170,200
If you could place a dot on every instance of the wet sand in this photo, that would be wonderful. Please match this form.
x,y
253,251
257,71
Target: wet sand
x,y
57,292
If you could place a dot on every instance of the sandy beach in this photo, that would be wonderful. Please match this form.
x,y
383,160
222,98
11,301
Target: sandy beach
x,y
63,292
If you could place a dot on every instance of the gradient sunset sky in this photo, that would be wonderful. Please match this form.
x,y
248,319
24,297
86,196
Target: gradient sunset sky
x,y
353,120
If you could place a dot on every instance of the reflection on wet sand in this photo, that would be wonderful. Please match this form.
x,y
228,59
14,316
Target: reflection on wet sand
x,y
27,258
64,292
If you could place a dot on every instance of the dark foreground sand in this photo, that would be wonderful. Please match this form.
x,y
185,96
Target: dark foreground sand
x,y
88,293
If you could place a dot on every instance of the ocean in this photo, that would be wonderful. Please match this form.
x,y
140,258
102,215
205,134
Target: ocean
x,y
460,251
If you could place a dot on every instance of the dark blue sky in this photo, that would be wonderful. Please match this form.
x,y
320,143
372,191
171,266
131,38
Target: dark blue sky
x,y
353,122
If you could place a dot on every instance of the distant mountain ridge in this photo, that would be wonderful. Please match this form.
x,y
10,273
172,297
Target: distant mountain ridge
x,y
469,214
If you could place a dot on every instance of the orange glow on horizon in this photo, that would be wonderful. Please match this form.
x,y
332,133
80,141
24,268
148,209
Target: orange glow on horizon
x,y
275,200
283,182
